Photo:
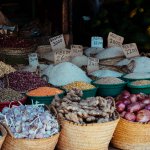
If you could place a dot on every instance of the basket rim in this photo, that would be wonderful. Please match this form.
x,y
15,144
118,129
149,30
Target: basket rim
x,y
138,86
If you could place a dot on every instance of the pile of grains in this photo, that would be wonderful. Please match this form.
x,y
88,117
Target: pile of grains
x,y
8,95
109,80
80,61
5,69
65,73
78,85
137,76
141,82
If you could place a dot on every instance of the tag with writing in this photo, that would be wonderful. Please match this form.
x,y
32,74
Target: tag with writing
x,y
93,64
57,42
96,42
62,55
114,40
76,50
130,50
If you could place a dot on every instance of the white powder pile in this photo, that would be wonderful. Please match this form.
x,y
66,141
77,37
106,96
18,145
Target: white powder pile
x,y
65,73
92,50
110,53
80,61
106,73
137,76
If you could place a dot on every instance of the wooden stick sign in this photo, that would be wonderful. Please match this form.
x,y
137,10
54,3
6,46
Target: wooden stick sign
x,y
130,50
57,42
76,50
114,40
62,55
93,64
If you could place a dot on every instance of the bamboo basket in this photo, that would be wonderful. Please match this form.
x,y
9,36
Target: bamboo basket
x,y
131,136
86,137
4,133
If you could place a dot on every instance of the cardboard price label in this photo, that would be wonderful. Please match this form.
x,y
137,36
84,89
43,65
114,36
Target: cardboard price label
x,y
62,56
114,40
130,50
57,42
96,42
93,64
76,50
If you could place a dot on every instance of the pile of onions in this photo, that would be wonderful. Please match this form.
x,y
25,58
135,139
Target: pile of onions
x,y
134,107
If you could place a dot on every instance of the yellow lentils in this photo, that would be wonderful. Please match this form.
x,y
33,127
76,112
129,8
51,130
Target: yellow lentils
x,y
79,85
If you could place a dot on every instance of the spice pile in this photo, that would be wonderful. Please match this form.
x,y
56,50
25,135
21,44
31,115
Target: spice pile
x,y
44,91
24,81
141,82
91,110
137,76
8,95
109,80
30,121
78,85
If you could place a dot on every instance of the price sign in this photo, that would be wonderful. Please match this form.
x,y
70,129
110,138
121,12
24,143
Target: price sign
x,y
33,59
114,40
57,42
96,42
93,64
62,56
76,50
130,50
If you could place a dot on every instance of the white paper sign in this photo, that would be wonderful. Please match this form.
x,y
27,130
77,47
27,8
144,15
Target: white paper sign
x,y
93,64
57,42
33,59
130,50
76,50
96,42
114,40
62,55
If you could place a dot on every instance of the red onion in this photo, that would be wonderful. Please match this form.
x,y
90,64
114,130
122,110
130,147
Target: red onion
x,y
133,107
140,96
130,116
146,101
120,106
147,107
143,116
142,105
126,101
133,98
123,114
125,93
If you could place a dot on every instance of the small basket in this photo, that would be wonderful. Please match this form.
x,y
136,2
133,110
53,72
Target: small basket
x,y
4,133
86,137
131,135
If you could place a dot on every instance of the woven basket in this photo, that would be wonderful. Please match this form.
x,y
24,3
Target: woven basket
x,y
11,143
86,137
131,136
4,133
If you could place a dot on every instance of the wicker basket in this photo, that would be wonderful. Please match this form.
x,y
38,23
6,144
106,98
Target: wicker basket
x,y
86,137
11,143
4,133
131,136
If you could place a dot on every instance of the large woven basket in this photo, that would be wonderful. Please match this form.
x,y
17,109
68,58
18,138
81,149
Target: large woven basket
x,y
4,133
11,143
86,137
131,136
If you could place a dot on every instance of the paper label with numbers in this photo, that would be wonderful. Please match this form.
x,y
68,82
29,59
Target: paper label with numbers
x,y
97,42
130,50
57,42
76,50
93,64
62,55
114,40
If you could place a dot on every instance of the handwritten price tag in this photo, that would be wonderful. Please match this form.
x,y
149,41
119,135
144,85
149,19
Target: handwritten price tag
x,y
130,50
114,40
93,64
57,42
76,50
62,56
96,42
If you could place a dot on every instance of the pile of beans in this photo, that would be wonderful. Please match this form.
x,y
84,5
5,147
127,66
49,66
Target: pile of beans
x,y
9,95
25,81
78,85
109,80
141,82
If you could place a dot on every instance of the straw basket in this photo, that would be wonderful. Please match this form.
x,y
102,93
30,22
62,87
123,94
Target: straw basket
x,y
11,143
4,133
131,136
86,137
